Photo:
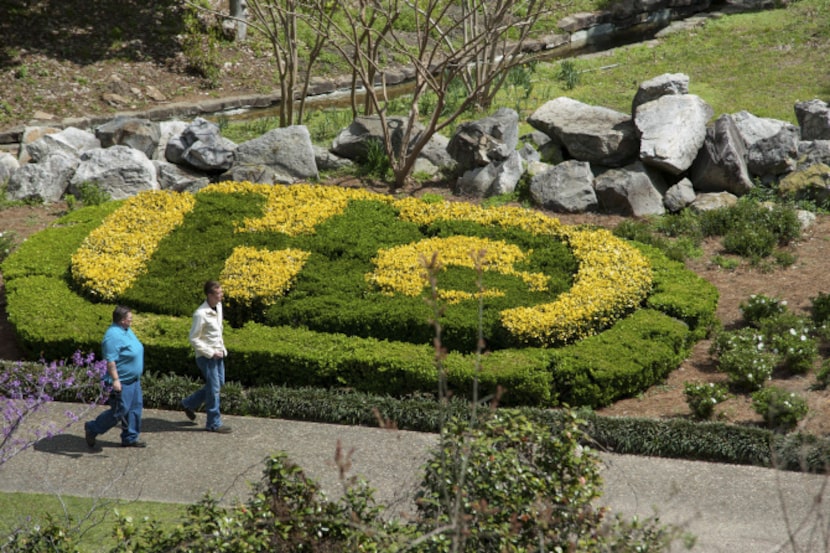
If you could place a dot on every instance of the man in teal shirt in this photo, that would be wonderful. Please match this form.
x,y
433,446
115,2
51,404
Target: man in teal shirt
x,y
124,355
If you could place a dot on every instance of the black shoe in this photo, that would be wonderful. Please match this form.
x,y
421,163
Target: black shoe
x,y
135,444
89,437
221,430
189,413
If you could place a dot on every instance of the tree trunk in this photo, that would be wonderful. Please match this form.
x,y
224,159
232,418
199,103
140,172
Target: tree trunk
x,y
239,11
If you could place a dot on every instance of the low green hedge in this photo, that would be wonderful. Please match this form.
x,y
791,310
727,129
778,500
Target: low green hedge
x,y
53,321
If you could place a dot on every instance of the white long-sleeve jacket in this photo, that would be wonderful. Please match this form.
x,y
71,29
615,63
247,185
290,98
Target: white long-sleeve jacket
x,y
206,331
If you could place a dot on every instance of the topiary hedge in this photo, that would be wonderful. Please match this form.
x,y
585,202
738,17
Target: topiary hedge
x,y
574,333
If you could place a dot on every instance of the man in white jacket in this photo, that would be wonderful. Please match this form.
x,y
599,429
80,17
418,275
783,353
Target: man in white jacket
x,y
206,339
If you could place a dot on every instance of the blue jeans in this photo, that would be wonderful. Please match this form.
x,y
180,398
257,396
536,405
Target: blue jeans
x,y
125,410
213,371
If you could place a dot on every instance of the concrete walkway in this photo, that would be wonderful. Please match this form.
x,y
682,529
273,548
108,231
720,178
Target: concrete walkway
x,y
734,509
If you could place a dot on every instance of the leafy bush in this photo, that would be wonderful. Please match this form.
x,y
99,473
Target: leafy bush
x,y
91,194
509,484
744,357
780,408
7,242
820,308
790,338
703,397
759,307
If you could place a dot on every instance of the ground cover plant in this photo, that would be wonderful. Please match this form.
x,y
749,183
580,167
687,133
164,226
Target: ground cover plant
x,y
314,301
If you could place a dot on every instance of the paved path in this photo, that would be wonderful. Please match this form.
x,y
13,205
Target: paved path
x,y
734,509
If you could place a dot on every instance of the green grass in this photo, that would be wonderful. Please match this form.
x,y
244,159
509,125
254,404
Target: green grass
x,y
762,62
94,518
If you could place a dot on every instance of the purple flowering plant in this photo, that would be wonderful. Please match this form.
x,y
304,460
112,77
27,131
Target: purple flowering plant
x,y
26,388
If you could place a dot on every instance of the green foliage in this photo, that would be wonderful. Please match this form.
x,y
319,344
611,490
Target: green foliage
x,y
744,357
335,331
91,194
703,397
569,75
791,338
780,408
759,307
377,163
823,375
7,243
518,485
820,308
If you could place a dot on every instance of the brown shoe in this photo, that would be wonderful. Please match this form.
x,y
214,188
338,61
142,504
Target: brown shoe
x,y
221,430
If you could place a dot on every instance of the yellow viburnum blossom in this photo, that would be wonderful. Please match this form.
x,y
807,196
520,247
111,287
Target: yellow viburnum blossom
x,y
252,274
113,255
399,269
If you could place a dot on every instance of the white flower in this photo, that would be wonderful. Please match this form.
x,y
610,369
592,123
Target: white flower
x,y
792,332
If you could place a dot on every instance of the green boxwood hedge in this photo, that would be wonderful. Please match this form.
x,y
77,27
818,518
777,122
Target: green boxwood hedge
x,y
53,320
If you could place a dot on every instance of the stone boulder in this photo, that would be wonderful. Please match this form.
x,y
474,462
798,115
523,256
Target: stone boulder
x,y
811,183
201,146
120,171
679,196
141,134
632,190
285,155
811,152
721,162
45,181
672,130
667,83
814,119
493,179
487,140
354,141
594,134
710,201
565,188
178,178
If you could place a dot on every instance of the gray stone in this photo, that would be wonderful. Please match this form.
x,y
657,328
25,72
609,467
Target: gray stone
x,y
286,151
672,130
710,201
487,140
120,171
178,178
679,196
814,119
588,133
721,162
140,134
565,188
667,83
46,181
632,190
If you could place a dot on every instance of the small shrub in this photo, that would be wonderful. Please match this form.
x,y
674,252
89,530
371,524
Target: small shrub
x,y
702,397
568,74
7,242
759,307
377,161
820,308
91,194
744,357
823,376
726,263
780,409
750,241
790,337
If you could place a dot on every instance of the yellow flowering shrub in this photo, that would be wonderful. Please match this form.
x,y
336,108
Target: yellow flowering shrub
x,y
399,269
113,255
612,279
294,210
252,274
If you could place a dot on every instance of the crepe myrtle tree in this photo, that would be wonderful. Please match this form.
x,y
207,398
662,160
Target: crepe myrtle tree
x,y
26,388
477,42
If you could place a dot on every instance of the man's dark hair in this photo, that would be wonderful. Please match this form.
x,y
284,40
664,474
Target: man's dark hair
x,y
119,313
211,286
